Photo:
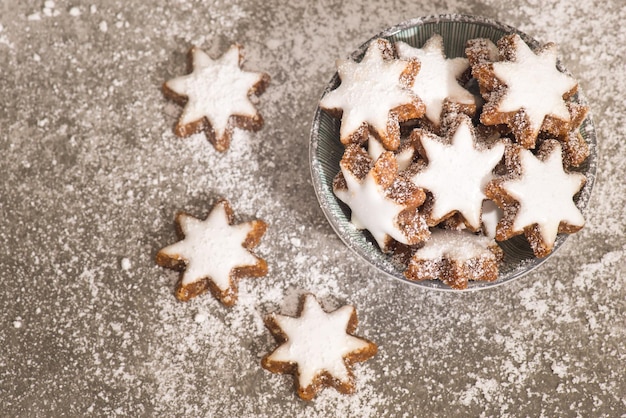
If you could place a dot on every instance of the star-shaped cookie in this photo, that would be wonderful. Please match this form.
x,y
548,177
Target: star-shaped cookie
x,y
381,201
374,94
438,78
213,254
524,89
456,173
455,257
216,96
537,199
319,348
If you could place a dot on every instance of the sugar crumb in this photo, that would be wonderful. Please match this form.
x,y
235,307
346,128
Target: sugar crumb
x,y
200,317
125,264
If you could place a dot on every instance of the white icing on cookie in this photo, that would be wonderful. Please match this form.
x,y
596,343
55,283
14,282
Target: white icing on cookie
x,y
211,248
369,90
457,173
216,89
371,209
490,217
534,83
437,78
545,194
318,342
455,245
404,157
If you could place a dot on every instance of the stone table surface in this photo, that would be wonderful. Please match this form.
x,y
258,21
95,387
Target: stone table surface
x,y
93,177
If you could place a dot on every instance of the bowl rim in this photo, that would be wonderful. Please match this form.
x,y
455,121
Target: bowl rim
x,y
387,266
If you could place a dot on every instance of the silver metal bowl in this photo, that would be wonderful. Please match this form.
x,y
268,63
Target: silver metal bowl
x,y
325,152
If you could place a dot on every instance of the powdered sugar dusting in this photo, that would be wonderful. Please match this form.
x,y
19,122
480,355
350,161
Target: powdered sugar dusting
x,y
93,175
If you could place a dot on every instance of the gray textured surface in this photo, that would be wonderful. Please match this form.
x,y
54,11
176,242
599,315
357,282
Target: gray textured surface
x,y
92,178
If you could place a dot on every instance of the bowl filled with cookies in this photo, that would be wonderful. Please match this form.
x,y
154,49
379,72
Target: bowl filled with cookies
x,y
453,152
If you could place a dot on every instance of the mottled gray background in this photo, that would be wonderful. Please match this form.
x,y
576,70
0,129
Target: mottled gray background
x,y
93,176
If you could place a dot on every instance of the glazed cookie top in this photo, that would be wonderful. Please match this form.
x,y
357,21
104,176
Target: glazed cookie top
x,y
216,90
437,79
491,216
532,91
377,196
544,192
455,257
456,245
212,248
319,343
534,83
456,173
369,91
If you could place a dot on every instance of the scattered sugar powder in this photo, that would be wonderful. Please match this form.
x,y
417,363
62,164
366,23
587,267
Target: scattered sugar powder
x,y
125,263
98,338
530,301
200,317
559,369
231,344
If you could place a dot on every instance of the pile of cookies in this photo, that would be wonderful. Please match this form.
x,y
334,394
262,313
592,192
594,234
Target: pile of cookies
x,y
444,158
